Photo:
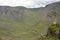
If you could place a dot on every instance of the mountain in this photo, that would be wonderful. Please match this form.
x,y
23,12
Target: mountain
x,y
20,23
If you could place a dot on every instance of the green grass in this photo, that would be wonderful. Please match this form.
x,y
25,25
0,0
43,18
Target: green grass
x,y
23,30
49,38
27,28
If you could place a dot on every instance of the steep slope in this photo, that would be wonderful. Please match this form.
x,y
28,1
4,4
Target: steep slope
x,y
20,23
53,12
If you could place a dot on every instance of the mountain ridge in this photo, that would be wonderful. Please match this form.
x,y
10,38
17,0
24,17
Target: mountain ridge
x,y
16,12
20,23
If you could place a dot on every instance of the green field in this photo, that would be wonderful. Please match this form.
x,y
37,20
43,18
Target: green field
x,y
21,30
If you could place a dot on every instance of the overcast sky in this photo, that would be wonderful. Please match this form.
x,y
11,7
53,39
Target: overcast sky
x,y
27,3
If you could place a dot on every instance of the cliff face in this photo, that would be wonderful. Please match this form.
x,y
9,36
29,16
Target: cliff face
x,y
22,12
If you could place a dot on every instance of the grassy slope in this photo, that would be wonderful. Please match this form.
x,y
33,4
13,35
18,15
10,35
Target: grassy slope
x,y
26,29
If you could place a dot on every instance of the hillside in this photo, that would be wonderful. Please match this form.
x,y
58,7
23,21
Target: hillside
x,y
20,23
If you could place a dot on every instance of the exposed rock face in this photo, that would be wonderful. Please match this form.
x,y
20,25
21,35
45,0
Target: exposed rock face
x,y
22,12
53,12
